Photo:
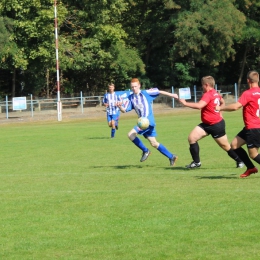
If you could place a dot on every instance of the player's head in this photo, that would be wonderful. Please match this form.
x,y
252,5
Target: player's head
x,y
111,87
252,77
209,80
135,85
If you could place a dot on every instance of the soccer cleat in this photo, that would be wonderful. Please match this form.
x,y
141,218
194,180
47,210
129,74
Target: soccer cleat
x,y
193,165
173,160
248,172
240,164
116,127
145,156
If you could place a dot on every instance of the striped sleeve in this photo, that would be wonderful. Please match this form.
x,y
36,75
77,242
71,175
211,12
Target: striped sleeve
x,y
153,91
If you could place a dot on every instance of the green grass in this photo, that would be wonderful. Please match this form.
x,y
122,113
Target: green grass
x,y
68,191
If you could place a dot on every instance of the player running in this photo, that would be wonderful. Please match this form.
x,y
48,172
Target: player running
x,y
110,101
141,102
250,134
212,123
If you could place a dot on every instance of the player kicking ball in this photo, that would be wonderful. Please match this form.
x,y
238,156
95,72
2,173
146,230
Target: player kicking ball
x,y
140,101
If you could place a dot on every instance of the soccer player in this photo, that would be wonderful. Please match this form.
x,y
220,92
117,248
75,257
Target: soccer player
x,y
110,101
250,134
141,102
212,122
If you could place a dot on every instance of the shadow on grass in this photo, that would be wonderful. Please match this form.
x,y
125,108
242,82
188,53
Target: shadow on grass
x,y
217,177
122,166
142,166
173,168
183,168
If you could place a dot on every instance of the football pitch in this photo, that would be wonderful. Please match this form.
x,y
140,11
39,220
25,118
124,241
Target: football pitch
x,y
69,191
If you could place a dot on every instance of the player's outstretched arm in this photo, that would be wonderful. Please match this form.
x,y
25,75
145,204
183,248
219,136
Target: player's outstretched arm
x,y
165,93
193,105
229,108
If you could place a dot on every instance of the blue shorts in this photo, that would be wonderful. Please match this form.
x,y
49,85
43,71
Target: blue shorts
x,y
149,132
112,117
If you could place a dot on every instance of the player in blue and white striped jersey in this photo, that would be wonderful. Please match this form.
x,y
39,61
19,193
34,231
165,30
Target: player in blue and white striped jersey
x,y
141,102
110,101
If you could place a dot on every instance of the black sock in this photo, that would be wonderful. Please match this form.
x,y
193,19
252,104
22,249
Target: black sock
x,y
244,157
257,159
195,152
234,155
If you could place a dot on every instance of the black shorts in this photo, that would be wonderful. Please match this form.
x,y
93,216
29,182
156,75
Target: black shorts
x,y
251,136
216,131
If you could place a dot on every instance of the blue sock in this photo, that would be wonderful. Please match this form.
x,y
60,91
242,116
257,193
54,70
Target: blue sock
x,y
139,144
113,132
162,149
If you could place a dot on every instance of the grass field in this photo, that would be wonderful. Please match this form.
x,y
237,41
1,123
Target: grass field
x,y
68,191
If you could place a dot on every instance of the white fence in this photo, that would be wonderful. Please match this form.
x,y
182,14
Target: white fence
x,y
76,103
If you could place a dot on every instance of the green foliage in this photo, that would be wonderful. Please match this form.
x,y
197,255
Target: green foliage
x,y
5,30
126,63
184,74
207,33
164,42
9,49
250,33
96,43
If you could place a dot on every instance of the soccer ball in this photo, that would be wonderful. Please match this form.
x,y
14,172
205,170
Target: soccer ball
x,y
143,123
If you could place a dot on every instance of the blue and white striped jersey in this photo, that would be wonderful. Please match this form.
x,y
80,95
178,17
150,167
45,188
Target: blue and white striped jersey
x,y
142,103
111,100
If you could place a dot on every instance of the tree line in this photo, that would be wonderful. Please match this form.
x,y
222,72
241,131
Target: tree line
x,y
163,42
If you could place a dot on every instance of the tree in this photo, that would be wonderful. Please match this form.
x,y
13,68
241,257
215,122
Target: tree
x,y
94,45
205,33
248,43
163,42
31,40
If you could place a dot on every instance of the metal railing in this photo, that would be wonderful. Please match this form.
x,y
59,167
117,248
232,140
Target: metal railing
x,y
39,105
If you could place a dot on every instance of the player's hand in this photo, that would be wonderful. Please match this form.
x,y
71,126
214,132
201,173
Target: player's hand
x,y
182,101
175,96
217,108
